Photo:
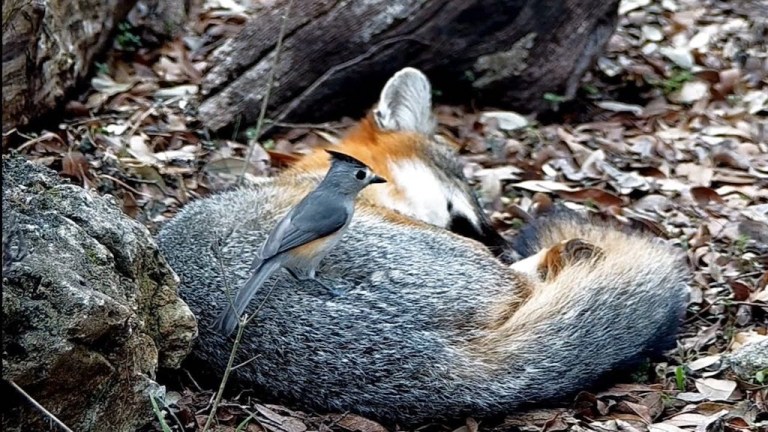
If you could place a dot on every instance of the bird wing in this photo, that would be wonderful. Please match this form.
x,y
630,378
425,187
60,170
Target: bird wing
x,y
305,224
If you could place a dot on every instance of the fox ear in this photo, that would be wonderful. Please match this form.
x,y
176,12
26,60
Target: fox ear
x,y
406,103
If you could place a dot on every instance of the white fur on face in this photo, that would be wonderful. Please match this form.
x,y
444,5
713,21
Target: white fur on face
x,y
425,195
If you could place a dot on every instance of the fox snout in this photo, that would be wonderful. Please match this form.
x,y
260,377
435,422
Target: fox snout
x,y
483,232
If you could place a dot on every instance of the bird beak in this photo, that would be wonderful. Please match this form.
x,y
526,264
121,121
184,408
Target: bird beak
x,y
378,179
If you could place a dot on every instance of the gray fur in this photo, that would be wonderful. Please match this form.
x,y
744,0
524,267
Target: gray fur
x,y
413,336
398,344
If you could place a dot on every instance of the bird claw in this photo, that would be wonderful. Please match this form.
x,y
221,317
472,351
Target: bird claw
x,y
334,292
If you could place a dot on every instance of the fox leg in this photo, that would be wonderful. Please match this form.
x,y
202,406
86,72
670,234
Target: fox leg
x,y
530,266
566,252
549,262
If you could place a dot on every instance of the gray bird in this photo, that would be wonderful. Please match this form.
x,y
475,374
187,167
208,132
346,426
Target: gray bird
x,y
306,234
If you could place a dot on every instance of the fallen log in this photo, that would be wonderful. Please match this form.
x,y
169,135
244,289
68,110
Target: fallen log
x,y
503,53
48,47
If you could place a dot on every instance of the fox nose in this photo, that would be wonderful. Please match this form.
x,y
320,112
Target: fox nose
x,y
378,179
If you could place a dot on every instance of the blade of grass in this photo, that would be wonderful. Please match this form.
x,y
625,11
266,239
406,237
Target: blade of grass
x,y
159,414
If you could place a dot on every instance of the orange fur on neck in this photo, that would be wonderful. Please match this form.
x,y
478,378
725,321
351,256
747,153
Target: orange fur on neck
x,y
378,149
369,144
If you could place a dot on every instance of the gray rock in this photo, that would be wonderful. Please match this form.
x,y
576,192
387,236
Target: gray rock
x,y
749,359
90,308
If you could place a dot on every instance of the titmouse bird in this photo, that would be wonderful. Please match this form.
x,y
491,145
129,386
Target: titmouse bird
x,y
306,234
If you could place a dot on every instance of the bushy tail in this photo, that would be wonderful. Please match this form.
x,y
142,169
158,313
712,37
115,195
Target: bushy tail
x,y
229,318
596,315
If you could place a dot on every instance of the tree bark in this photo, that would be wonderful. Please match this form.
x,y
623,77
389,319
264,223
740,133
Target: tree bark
x,y
48,46
336,54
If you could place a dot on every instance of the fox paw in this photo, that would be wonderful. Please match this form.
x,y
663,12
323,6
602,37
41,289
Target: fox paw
x,y
565,253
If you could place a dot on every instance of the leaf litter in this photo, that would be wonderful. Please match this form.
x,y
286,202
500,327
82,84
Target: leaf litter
x,y
669,134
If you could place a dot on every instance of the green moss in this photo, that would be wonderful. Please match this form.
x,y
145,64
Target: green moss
x,y
92,256
53,193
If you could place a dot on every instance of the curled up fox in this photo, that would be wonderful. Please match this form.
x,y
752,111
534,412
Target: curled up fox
x,y
431,324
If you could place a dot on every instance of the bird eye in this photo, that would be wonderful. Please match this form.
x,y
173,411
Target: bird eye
x,y
360,174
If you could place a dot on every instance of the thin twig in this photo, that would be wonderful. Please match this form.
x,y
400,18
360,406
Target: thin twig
x,y
267,92
94,119
258,309
244,320
191,378
175,418
223,271
40,407
243,423
237,127
9,132
237,366
223,384
329,126
125,185
33,141
746,303
241,327
736,278
699,314
140,120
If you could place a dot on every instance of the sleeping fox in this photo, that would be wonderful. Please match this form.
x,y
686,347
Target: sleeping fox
x,y
431,324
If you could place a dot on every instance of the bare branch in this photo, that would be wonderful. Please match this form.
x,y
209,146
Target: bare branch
x,y
41,408
267,92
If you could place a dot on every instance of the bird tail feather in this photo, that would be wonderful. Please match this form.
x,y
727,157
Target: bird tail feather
x,y
230,317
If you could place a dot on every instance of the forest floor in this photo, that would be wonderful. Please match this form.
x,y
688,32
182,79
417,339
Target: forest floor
x,y
669,132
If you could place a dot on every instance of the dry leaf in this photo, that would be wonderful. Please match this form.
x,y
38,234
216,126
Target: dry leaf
x,y
599,197
745,338
687,420
231,166
664,427
691,92
691,397
107,86
705,196
620,107
137,147
703,362
680,56
352,422
130,207
186,153
331,138
715,389
75,165
178,91
630,5
505,120
542,186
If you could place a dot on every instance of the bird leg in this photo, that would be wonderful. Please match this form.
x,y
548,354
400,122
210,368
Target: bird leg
x,y
301,277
